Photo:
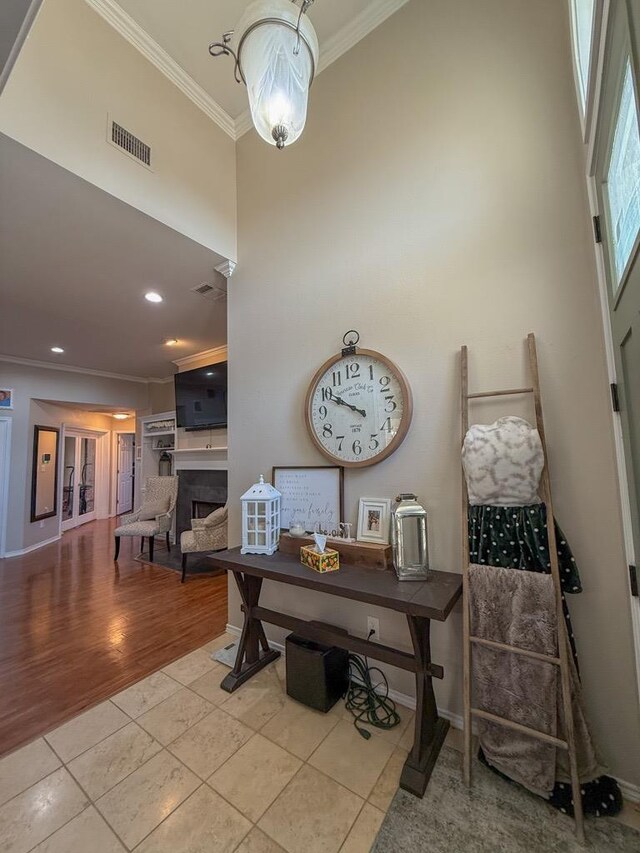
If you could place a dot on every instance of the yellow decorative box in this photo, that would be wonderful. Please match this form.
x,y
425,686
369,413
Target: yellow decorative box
x,y
329,561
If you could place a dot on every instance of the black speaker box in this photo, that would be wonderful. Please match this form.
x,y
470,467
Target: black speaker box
x,y
317,675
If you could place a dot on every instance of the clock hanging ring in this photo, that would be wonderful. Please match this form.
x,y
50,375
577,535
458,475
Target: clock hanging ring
x,y
358,406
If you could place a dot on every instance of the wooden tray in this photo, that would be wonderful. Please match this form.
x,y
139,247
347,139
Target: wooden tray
x,y
366,554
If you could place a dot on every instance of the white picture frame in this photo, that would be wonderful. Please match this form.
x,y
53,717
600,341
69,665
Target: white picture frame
x,y
374,516
310,495
6,399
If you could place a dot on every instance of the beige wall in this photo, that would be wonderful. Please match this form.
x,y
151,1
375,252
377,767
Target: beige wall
x,y
33,386
74,69
437,198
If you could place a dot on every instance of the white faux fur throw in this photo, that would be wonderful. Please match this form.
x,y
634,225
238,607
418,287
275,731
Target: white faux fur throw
x,y
518,608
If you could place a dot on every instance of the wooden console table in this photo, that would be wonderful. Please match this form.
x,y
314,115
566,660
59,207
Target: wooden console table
x,y
419,601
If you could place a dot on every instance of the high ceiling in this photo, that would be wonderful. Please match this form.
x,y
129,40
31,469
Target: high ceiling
x,y
183,30
75,263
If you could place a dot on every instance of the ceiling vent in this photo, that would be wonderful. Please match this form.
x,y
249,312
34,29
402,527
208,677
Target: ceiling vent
x,y
210,291
134,147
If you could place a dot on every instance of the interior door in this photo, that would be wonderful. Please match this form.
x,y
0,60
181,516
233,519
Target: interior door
x,y
78,480
618,187
125,475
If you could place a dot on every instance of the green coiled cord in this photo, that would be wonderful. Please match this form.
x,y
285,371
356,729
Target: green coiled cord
x,y
365,700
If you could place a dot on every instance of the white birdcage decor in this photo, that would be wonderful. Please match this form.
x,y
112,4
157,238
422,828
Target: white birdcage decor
x,y
260,519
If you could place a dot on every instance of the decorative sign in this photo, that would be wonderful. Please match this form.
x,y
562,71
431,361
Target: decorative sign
x,y
310,496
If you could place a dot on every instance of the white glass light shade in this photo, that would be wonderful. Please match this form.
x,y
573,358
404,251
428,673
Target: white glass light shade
x,y
277,77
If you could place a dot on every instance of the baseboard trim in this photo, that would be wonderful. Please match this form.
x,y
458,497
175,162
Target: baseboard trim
x,y
629,791
31,547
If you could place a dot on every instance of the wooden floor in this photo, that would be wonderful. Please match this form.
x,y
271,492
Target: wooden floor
x,y
76,628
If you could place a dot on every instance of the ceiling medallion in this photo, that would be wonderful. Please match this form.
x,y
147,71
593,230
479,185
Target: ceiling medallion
x,y
275,49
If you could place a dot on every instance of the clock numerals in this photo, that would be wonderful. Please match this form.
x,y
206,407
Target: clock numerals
x,y
358,409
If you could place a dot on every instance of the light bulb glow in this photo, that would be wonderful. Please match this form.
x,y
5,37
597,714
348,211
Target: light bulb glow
x,y
278,67
57,349
152,296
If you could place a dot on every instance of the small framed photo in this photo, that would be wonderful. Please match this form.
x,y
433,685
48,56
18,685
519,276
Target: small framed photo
x,y
6,398
374,515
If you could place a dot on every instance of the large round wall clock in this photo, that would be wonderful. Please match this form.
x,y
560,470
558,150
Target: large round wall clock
x,y
358,407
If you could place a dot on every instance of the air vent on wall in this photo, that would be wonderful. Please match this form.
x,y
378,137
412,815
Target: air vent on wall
x,y
133,146
210,291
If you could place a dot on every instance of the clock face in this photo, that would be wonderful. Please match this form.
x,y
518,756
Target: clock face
x,y
358,408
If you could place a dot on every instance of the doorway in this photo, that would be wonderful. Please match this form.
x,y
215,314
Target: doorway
x,y
80,473
125,471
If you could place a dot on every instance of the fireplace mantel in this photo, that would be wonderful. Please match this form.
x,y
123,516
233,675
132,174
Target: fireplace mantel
x,y
199,458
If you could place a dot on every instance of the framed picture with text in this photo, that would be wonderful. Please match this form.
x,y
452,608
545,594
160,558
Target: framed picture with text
x,y
311,495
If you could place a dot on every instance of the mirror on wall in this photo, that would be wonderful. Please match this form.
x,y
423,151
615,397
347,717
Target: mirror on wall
x,y
44,475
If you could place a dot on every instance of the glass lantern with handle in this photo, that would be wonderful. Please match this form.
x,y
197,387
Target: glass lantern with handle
x,y
409,539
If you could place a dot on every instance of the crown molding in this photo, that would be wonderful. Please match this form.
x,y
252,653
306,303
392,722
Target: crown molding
x,y
376,12
128,28
189,360
227,268
70,368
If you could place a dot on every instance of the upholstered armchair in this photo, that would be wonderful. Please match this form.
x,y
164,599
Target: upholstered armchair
x,y
154,517
206,534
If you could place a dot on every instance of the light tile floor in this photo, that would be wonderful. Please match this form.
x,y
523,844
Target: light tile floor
x,y
174,764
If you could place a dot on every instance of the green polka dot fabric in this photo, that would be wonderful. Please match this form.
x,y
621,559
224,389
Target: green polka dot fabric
x,y
515,537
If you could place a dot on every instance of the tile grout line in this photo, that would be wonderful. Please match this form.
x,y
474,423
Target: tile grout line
x,y
92,802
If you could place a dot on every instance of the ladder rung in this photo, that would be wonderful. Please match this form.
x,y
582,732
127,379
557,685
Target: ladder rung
x,y
503,721
504,393
504,647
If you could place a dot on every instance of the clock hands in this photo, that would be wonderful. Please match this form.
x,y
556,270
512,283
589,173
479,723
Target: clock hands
x,y
342,402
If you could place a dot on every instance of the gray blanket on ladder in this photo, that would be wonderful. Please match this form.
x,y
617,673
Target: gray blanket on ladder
x,y
518,608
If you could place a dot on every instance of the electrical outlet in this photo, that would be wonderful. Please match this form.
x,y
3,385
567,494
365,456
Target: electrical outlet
x,y
373,624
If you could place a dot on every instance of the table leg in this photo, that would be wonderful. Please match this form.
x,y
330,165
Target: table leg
x,y
253,649
430,729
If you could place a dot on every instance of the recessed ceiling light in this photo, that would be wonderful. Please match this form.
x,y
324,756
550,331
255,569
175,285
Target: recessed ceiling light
x,y
171,342
57,349
121,416
152,296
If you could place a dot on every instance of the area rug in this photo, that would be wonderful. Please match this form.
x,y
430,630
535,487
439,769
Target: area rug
x,y
196,565
494,816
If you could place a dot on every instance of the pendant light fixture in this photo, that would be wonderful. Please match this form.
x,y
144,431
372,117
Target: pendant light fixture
x,y
275,49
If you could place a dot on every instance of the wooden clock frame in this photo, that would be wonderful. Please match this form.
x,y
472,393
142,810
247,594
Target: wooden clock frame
x,y
407,413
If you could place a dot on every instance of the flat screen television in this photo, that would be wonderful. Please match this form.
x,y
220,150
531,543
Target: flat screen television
x,y
201,397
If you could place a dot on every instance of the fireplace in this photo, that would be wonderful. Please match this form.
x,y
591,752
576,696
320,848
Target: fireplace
x,y
199,493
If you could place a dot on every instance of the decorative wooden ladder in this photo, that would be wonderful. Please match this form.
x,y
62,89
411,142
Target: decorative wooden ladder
x,y
564,649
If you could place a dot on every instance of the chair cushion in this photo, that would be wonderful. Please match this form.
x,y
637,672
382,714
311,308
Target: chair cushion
x,y
150,509
137,528
216,516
